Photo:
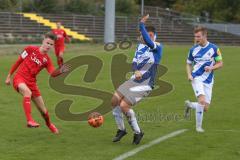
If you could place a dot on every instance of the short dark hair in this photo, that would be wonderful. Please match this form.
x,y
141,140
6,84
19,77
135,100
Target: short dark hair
x,y
150,29
50,35
200,29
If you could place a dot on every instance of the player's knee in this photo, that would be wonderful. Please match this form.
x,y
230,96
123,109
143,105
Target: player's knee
x,y
204,104
202,101
124,109
27,93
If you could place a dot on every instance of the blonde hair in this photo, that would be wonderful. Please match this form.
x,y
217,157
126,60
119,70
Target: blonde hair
x,y
200,29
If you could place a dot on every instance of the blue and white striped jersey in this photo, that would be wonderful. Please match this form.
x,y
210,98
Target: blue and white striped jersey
x,y
147,58
200,57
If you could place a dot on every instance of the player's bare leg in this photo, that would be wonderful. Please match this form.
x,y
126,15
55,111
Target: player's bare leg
x,y
116,99
43,110
118,115
132,120
26,92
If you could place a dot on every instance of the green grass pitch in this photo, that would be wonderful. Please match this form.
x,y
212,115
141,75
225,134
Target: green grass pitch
x,y
79,141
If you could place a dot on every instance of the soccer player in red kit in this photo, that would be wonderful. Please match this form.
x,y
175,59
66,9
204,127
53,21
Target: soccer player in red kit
x,y
59,43
30,62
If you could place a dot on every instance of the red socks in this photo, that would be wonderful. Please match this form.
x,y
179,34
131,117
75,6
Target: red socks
x,y
46,118
27,108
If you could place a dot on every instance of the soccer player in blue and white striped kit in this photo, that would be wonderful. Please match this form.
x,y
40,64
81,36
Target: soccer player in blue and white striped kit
x,y
145,62
203,59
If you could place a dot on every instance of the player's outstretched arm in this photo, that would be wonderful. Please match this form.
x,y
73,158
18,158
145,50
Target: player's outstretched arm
x,y
67,38
144,32
12,70
63,69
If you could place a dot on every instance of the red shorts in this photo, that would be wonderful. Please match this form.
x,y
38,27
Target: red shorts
x,y
31,85
59,49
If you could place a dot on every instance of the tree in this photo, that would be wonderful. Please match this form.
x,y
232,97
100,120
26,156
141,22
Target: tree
x,y
46,6
126,7
7,4
81,6
160,3
223,10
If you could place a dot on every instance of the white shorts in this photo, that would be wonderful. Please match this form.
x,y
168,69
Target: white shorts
x,y
201,88
134,92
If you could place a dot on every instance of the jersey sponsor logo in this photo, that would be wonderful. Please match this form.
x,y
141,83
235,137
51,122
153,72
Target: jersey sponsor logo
x,y
34,59
203,59
24,54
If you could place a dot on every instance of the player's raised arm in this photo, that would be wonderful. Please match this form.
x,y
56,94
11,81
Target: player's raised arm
x,y
145,34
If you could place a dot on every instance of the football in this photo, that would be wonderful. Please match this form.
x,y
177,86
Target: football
x,y
95,119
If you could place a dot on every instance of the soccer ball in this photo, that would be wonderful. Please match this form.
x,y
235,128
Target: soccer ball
x,y
95,119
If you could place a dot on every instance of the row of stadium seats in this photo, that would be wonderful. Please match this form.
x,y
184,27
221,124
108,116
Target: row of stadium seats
x,y
169,30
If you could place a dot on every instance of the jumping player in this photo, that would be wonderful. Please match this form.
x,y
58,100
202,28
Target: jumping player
x,y
203,59
145,62
59,43
30,62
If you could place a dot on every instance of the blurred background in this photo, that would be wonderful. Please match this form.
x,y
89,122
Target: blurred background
x,y
24,21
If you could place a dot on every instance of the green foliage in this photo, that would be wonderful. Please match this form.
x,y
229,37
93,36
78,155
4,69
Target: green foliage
x,y
46,6
7,4
126,7
223,10
83,6
218,9
160,3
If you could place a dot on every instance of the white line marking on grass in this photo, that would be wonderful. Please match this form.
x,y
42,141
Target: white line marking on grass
x,y
226,130
150,144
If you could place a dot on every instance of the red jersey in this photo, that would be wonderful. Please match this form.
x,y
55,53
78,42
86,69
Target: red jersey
x,y
61,35
33,61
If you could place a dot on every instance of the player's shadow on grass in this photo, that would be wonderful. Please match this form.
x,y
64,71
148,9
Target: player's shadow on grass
x,y
94,64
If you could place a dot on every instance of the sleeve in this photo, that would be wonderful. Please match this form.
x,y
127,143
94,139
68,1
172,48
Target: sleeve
x,y
26,52
190,57
20,59
66,36
50,68
16,65
134,66
217,55
146,37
